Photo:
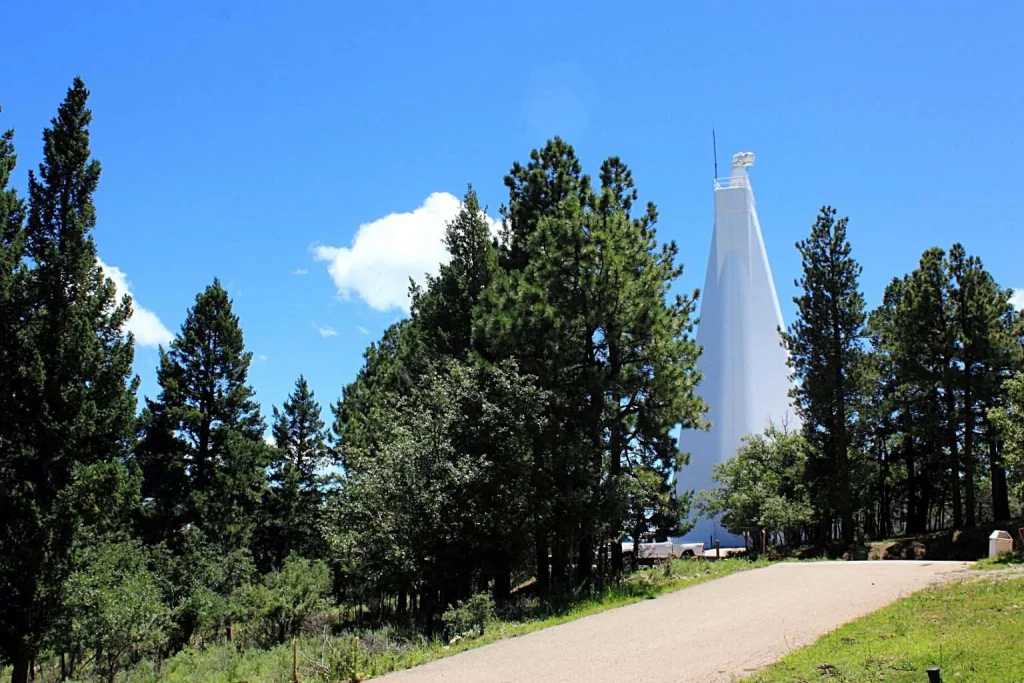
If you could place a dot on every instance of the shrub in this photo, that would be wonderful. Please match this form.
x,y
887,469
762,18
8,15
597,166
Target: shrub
x,y
275,609
114,606
469,616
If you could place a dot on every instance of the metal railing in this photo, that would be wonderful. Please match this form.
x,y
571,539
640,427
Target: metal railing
x,y
731,183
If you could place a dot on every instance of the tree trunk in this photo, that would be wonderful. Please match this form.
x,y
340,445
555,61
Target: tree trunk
x,y
970,521
913,496
502,586
954,459
584,567
616,552
559,563
1000,492
20,664
543,569
884,508
845,492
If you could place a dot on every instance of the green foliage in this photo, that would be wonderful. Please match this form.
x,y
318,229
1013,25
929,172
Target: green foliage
x,y
197,580
114,607
68,392
582,303
764,487
827,358
470,616
946,339
1009,420
276,608
202,449
295,501
425,507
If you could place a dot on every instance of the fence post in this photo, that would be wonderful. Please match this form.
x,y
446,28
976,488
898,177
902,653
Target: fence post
x,y
295,660
934,675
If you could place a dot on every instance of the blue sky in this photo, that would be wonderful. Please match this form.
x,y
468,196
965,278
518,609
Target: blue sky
x,y
251,140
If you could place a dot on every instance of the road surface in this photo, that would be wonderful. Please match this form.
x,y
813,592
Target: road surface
x,y
721,630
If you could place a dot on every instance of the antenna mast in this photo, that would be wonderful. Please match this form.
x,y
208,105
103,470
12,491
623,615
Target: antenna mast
x,y
714,149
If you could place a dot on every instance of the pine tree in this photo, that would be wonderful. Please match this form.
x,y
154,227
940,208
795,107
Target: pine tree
x,y
296,497
984,344
13,446
75,411
533,315
642,355
1005,362
919,341
827,359
444,309
202,450
583,305
13,304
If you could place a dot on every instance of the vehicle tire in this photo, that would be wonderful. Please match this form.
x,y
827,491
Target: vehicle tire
x,y
687,553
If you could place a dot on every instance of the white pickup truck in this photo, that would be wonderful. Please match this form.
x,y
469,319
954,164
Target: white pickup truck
x,y
651,551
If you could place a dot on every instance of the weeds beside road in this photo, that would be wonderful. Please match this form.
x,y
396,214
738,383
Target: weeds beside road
x,y
389,648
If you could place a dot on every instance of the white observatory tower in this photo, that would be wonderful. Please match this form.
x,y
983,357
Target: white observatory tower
x,y
746,380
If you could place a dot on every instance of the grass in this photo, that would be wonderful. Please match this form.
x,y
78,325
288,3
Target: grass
x,y
385,653
1002,561
971,629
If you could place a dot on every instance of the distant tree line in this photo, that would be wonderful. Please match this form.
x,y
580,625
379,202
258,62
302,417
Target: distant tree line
x,y
911,414
505,436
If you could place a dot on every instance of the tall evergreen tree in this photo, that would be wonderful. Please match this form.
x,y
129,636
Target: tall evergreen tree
x,y
921,341
13,277
72,420
986,348
582,304
202,450
444,309
1005,362
296,497
827,359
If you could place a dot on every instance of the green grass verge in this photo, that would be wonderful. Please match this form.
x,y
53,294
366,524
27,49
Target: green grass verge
x,y
971,629
1002,561
223,664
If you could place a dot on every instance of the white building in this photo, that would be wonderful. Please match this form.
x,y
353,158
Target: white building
x,y
746,380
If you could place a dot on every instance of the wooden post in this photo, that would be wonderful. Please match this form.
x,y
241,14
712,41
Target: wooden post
x,y
295,660
718,547
764,541
934,675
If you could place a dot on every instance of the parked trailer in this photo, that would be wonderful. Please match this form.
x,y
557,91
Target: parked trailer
x,y
650,551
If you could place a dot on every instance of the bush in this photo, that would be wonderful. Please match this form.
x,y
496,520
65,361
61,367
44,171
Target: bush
x,y
469,616
114,606
276,609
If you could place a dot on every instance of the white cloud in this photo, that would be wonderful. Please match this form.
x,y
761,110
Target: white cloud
x,y
262,358
325,330
301,271
388,251
1018,298
144,323
268,438
362,330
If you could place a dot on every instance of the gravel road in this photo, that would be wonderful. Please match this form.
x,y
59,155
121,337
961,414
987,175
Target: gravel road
x,y
721,630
